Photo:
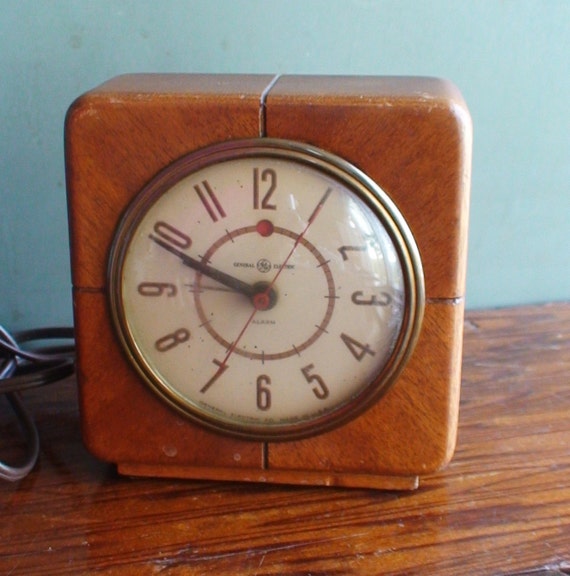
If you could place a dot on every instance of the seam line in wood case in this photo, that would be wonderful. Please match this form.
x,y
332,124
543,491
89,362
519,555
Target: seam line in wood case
x,y
451,301
263,105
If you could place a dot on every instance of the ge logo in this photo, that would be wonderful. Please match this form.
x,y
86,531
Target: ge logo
x,y
263,265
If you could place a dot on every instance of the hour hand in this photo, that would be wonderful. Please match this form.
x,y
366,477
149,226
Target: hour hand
x,y
226,279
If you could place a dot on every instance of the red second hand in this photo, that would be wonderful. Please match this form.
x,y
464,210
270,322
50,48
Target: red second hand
x,y
299,238
261,303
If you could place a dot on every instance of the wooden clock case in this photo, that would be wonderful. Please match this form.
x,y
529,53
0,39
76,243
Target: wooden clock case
x,y
411,135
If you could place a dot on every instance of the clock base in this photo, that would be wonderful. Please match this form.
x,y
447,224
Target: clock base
x,y
293,477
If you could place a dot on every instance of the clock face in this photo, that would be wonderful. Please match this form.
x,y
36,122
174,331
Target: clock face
x,y
266,288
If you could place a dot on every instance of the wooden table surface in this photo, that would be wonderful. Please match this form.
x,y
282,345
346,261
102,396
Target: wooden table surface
x,y
501,507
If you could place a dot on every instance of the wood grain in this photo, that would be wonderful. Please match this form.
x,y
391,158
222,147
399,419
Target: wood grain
x,y
501,507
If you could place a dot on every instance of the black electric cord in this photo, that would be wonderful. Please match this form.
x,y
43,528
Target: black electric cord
x,y
22,369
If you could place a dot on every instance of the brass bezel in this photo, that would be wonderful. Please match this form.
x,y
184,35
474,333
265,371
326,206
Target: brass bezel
x,y
334,166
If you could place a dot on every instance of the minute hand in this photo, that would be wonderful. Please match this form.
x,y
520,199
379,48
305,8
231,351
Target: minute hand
x,y
213,273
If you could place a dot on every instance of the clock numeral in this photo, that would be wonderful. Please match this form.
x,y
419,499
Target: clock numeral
x,y
320,390
156,289
166,233
268,176
344,249
208,197
172,340
357,349
221,369
263,392
383,300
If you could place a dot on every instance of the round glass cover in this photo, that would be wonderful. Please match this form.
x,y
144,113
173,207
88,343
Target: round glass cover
x,y
266,288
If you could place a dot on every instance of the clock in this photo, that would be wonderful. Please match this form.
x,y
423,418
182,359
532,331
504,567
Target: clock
x,y
268,275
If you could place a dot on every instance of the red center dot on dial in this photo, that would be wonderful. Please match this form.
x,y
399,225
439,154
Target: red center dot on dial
x,y
264,228
261,301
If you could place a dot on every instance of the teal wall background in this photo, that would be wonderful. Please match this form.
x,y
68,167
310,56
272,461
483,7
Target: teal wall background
x,y
510,58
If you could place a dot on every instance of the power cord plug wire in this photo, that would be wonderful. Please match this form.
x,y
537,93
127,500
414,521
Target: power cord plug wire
x,y
21,369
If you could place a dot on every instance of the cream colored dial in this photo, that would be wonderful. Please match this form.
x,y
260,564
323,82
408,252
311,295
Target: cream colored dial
x,y
266,288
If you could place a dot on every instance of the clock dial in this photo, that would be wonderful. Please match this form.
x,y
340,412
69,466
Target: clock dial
x,y
266,288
